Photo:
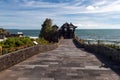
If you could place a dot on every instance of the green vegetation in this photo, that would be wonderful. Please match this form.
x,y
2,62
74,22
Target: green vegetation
x,y
48,35
42,41
49,32
17,43
81,41
111,46
13,44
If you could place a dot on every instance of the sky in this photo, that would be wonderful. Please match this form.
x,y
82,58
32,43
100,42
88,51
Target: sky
x,y
86,14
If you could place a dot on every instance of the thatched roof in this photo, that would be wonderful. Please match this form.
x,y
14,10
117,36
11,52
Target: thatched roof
x,y
67,25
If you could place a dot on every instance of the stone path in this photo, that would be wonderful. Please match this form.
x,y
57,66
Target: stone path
x,y
64,63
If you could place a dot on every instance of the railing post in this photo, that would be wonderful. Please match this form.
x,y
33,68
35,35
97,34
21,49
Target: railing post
x,y
114,44
98,42
88,42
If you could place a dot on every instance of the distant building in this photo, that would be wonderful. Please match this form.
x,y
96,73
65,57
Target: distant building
x,y
67,30
20,34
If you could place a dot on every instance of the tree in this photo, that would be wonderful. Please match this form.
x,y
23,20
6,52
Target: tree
x,y
48,31
46,27
55,33
54,28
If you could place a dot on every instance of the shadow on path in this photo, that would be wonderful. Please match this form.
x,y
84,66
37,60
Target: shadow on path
x,y
106,62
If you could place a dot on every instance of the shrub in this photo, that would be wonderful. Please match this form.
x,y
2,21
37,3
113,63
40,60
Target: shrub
x,y
12,44
42,41
4,51
111,46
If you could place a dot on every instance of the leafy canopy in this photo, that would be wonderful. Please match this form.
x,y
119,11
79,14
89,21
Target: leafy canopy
x,y
48,30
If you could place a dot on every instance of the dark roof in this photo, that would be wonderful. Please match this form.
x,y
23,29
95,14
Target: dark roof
x,y
67,25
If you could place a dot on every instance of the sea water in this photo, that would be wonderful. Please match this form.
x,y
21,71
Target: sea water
x,y
86,34
99,34
28,33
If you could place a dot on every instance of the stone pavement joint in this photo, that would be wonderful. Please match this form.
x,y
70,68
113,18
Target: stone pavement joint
x,y
67,62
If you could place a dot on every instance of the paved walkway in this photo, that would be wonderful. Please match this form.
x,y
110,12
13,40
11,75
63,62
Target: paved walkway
x,y
64,63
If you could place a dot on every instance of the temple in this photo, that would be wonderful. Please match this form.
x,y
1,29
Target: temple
x,y
67,30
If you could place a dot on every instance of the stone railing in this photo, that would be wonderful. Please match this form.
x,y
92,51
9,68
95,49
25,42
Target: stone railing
x,y
111,53
13,58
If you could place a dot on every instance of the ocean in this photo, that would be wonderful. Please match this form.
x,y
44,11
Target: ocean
x,y
99,34
28,33
86,34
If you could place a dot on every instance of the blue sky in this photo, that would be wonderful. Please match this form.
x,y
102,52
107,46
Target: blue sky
x,y
86,14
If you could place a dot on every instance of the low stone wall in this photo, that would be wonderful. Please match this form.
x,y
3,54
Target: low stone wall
x,y
13,58
76,40
111,53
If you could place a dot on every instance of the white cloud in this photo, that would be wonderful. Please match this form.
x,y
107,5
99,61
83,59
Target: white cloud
x,y
90,8
66,8
93,25
107,6
95,15
101,2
